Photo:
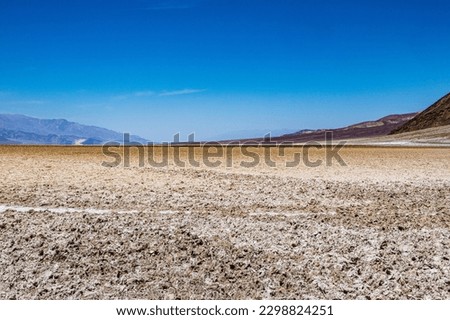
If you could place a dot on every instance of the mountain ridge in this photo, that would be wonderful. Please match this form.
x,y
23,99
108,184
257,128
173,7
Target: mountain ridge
x,y
366,129
436,115
22,129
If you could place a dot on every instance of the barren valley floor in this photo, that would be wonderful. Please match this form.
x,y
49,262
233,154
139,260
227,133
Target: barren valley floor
x,y
377,228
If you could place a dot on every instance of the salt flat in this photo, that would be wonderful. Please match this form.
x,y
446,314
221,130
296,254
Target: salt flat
x,y
376,228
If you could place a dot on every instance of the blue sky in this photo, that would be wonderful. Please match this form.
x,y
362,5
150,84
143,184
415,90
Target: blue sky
x,y
158,67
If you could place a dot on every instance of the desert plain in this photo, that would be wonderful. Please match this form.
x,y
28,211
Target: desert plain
x,y
377,227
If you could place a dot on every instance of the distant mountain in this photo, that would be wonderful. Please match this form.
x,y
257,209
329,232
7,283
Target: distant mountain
x,y
242,134
20,129
437,115
366,129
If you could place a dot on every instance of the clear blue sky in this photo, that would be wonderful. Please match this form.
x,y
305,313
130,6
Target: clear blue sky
x,y
157,67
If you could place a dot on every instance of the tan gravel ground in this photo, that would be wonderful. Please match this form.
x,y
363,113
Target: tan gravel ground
x,y
378,228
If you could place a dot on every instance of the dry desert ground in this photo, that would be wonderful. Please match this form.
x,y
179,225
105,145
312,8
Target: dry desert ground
x,y
377,228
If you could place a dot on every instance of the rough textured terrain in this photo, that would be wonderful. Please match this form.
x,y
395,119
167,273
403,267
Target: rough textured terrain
x,y
378,228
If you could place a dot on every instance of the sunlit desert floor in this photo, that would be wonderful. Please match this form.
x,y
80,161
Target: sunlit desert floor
x,y
377,228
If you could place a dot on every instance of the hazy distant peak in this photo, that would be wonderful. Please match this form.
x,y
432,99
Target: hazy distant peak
x,y
21,129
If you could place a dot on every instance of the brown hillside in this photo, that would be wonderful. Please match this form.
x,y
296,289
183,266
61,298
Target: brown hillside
x,y
380,127
436,115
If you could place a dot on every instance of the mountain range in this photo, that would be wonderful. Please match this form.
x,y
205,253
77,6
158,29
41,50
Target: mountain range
x,y
20,129
437,115
365,129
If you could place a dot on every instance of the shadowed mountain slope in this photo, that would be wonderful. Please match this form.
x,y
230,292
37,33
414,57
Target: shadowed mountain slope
x,y
437,115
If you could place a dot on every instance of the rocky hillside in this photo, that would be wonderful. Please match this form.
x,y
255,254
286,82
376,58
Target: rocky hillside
x,y
437,115
367,129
